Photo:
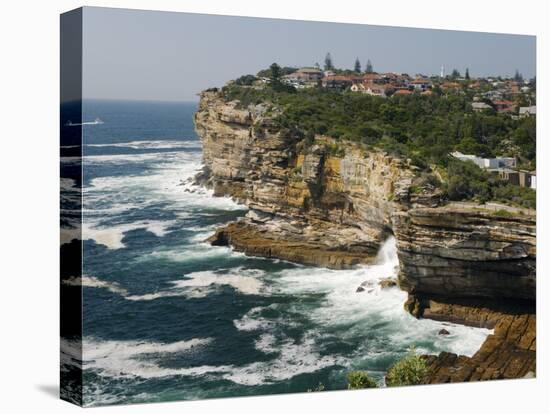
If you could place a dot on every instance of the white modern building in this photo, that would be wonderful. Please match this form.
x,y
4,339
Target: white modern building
x,y
487,163
525,111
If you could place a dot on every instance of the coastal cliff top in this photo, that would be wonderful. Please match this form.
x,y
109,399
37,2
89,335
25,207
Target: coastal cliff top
x,y
422,130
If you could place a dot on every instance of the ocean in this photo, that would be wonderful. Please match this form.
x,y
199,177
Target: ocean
x,y
169,317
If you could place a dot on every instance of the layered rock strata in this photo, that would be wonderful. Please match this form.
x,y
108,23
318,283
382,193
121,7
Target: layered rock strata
x,y
510,352
332,203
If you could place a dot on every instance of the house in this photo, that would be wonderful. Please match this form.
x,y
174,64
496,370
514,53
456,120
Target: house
x,y
420,84
309,74
534,180
486,163
480,106
506,174
337,81
525,89
504,106
493,95
369,88
525,178
376,90
358,87
526,111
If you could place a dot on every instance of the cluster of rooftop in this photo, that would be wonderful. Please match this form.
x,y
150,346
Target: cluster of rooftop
x,y
514,96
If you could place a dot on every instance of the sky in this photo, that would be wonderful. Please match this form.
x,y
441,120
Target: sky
x,y
167,56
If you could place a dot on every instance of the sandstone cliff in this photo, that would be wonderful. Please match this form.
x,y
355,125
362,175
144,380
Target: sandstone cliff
x,y
322,202
333,203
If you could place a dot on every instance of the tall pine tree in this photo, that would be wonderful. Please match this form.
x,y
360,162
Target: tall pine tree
x,y
328,62
357,66
368,68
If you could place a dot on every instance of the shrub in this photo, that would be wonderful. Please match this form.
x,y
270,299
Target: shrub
x,y
360,379
411,370
319,387
466,181
246,80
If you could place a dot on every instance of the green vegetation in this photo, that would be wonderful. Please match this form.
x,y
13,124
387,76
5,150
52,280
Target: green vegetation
x,y
422,128
411,370
357,66
246,80
468,182
360,379
319,387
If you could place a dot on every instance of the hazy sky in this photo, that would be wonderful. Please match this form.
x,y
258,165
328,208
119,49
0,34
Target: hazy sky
x,y
172,56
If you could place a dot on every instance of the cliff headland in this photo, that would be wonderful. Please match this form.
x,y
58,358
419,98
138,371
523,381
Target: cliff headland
x,y
329,202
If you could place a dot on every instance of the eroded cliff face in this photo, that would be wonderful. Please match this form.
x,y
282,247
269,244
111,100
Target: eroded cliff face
x,y
318,203
332,204
467,250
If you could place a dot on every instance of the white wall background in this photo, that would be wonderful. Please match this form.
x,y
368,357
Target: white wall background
x,y
29,203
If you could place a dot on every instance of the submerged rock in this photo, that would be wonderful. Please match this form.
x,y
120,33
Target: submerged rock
x,y
387,283
443,332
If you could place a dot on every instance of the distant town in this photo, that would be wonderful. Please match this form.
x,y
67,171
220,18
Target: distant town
x,y
513,97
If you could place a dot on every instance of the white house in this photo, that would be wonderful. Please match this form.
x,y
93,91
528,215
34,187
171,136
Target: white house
x,y
526,111
487,163
480,106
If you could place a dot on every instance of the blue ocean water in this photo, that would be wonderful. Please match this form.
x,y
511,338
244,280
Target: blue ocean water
x,y
169,317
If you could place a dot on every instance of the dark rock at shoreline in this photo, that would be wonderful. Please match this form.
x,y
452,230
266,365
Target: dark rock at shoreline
x,y
510,352
265,241
387,283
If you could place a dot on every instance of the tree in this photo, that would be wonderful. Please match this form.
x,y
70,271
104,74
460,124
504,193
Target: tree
x,y
275,72
357,66
368,68
246,80
455,74
328,62
467,75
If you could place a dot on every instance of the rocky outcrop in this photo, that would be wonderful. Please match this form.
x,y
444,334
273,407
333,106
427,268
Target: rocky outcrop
x,y
510,352
331,203
467,250
318,201
306,199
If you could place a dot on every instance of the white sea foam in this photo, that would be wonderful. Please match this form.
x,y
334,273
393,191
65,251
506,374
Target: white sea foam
x,y
166,180
251,321
91,281
343,307
111,236
127,359
243,280
151,144
199,251
194,285
68,184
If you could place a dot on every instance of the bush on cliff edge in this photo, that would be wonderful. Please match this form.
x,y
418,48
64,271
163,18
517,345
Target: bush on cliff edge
x,y
360,379
411,370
